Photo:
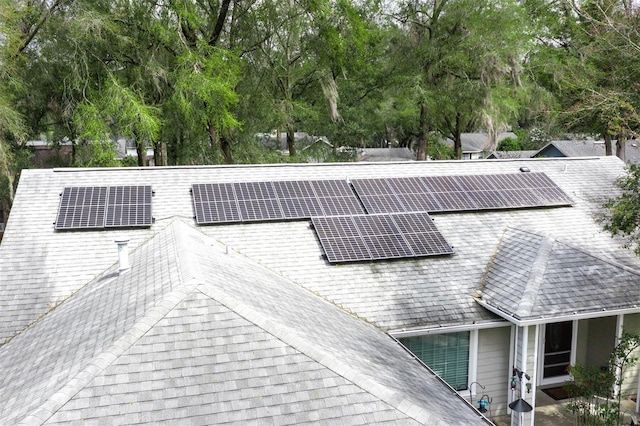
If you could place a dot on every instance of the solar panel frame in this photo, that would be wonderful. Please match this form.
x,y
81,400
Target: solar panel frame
x,y
103,207
81,207
340,239
331,188
459,193
215,203
378,237
128,206
272,200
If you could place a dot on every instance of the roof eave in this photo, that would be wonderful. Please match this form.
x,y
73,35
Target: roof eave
x,y
523,322
436,329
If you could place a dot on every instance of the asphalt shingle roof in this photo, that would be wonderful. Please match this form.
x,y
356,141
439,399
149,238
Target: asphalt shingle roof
x,y
286,335
194,332
533,276
574,148
41,267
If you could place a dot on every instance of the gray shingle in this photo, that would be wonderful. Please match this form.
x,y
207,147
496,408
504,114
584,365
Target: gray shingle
x,y
98,365
534,276
40,268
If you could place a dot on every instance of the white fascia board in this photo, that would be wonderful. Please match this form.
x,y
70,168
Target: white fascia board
x,y
421,331
559,318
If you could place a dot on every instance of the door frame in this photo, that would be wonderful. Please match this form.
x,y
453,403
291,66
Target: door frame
x,y
572,358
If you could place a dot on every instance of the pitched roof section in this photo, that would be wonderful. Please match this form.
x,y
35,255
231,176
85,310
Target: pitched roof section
x,y
510,155
572,148
534,278
39,267
386,154
192,333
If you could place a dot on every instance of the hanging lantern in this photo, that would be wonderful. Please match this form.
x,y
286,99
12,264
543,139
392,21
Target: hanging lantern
x,y
521,406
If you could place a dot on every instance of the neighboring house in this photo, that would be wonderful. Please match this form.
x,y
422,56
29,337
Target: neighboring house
x,y
301,139
47,154
509,155
294,320
632,151
126,147
572,148
474,145
579,148
385,154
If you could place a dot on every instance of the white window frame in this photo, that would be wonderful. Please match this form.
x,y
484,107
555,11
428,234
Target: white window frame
x,y
472,369
572,357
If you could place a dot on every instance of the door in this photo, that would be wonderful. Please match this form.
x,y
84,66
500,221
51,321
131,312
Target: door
x,y
558,351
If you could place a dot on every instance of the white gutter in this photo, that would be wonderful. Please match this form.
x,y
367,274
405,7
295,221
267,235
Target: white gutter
x,y
446,329
565,317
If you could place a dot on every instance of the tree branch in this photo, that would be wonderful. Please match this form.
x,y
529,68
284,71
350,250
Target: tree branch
x,y
222,16
36,28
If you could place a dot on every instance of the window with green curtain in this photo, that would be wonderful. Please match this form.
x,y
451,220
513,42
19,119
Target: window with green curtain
x,y
446,354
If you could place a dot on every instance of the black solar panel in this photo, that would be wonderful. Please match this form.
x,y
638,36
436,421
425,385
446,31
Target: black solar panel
x,y
82,207
128,206
215,203
97,207
380,236
261,201
459,193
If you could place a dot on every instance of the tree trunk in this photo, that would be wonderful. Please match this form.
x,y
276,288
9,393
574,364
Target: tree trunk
x,y
291,141
620,148
421,153
163,154
457,146
457,139
607,144
5,206
160,154
142,152
213,137
225,145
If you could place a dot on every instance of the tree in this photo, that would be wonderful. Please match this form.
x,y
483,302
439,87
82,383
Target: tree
x,y
596,393
509,144
623,212
463,58
590,64
20,23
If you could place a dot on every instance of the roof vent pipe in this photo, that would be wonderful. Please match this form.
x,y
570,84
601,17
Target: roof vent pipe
x,y
123,255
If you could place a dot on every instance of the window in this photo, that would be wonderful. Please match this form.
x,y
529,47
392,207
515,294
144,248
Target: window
x,y
446,354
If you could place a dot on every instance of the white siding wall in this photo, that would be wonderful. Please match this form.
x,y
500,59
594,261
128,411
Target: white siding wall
x,y
630,384
493,367
582,347
601,337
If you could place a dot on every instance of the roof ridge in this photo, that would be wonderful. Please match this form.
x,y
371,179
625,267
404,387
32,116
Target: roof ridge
x,y
107,357
601,259
536,277
110,354
323,357
581,250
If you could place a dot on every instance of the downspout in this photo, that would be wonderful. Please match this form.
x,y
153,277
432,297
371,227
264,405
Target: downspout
x,y
513,363
534,375
618,372
523,362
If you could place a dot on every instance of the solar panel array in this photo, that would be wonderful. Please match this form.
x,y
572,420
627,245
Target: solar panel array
x,y
260,201
381,236
459,193
97,207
